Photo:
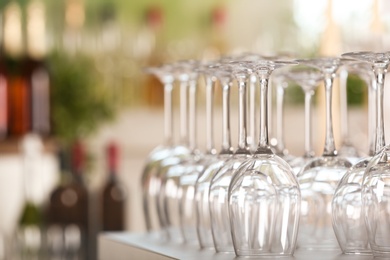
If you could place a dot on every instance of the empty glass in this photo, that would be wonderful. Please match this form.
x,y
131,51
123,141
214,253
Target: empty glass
x,y
347,149
150,178
347,214
202,186
280,81
264,195
219,185
308,80
376,180
318,179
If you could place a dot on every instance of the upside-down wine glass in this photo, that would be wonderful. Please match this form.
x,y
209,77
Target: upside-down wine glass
x,y
193,169
169,181
264,195
318,179
202,185
308,80
219,185
347,149
376,180
150,179
279,79
347,214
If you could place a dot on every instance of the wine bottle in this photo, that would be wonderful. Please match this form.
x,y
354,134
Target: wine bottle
x,y
113,196
67,232
18,90
37,71
3,99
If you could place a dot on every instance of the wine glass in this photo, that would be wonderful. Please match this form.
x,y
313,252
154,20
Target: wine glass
x,y
318,179
279,79
150,180
219,184
170,221
347,213
203,182
308,80
194,167
347,149
264,195
375,188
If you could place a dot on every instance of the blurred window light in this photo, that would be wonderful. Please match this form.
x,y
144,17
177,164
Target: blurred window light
x,y
310,16
36,29
74,14
13,43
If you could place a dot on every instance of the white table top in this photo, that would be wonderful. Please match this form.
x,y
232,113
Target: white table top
x,y
123,245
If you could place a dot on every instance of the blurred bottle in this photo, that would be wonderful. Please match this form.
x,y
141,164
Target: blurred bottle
x,y
113,194
30,240
36,69
3,100
19,120
150,49
217,43
3,83
67,213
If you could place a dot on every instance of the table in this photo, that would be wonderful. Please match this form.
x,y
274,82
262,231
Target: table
x,y
123,245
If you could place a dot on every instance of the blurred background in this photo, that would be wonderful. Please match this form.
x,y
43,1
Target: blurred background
x,y
76,107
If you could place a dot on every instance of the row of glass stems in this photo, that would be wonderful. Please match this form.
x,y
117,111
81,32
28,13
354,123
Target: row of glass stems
x,y
251,201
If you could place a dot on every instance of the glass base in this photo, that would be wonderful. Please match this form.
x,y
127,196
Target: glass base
x,y
357,252
261,254
224,250
381,254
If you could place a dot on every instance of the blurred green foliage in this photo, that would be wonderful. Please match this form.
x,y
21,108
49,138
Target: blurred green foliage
x,y
79,102
356,92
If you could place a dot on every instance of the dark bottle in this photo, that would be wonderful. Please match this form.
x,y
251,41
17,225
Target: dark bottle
x,y
67,231
19,120
36,70
113,196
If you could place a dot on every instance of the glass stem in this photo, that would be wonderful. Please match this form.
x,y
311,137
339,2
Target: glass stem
x,y
210,147
308,134
242,132
380,129
279,118
270,123
184,113
192,115
329,149
252,110
168,116
226,137
263,146
344,106
372,108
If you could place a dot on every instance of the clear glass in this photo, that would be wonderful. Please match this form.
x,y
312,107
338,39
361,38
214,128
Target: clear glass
x,y
376,181
308,80
347,214
279,79
194,169
264,195
203,182
252,113
170,168
150,180
219,185
319,178
347,149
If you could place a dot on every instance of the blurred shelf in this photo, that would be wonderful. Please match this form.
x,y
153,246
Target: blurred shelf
x,y
12,145
123,245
